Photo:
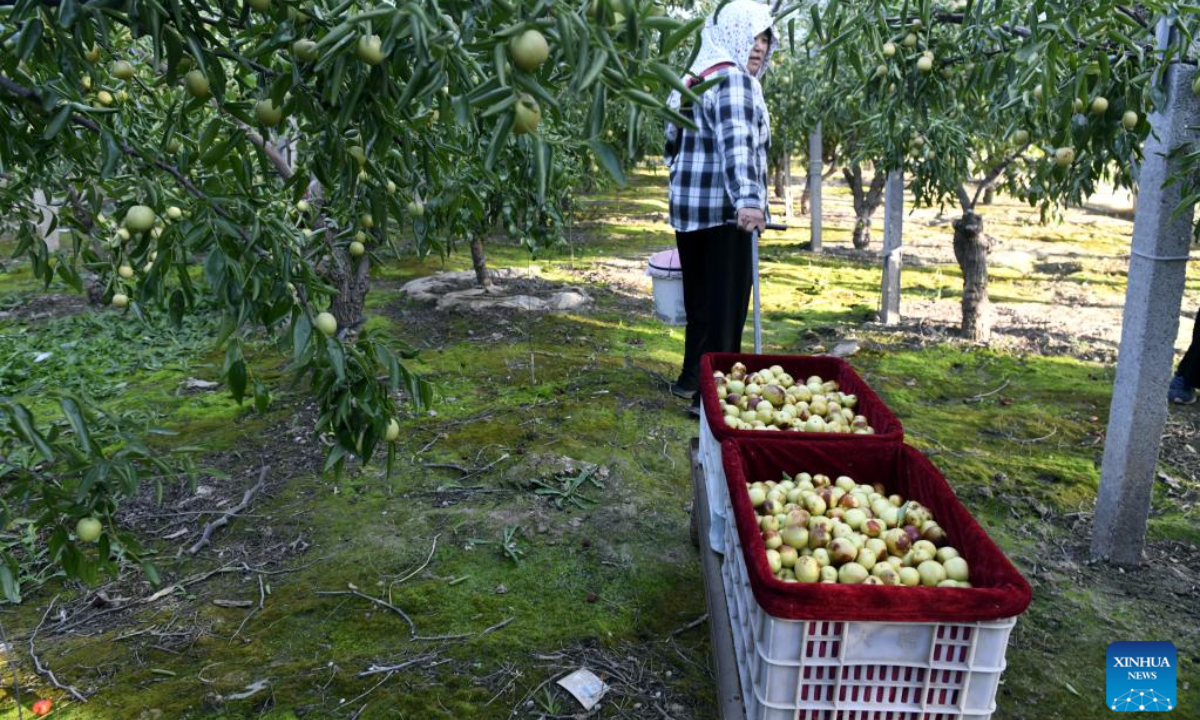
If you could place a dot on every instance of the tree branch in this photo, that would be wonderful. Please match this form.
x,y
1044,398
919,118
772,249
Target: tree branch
x,y
997,171
964,199
269,150
25,93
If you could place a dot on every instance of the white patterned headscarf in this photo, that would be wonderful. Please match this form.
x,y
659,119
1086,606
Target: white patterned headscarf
x,y
728,37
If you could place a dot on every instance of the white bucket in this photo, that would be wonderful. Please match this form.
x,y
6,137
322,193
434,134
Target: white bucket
x,y
664,271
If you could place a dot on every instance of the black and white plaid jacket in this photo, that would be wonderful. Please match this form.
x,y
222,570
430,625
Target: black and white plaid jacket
x,y
722,167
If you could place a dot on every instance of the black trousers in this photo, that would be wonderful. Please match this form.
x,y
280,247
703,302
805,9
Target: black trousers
x,y
1189,366
716,294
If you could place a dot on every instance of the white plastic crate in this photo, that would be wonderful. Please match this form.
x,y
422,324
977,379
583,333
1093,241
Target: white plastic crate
x,y
837,670
714,483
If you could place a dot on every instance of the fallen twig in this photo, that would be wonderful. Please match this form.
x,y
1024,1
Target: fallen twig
x,y
376,669
695,623
980,397
37,662
262,599
233,603
445,466
424,565
412,627
198,578
378,601
485,468
206,537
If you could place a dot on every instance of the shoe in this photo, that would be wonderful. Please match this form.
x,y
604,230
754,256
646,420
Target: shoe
x,y
1180,392
680,391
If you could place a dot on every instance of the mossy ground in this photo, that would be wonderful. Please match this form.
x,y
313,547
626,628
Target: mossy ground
x,y
608,582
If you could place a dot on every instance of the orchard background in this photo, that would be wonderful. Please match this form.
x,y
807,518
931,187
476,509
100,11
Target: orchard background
x,y
407,509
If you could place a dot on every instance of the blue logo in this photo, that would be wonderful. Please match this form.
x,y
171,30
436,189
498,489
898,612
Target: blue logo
x,y
1141,677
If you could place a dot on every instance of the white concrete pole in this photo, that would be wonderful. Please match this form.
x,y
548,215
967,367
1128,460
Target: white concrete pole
x,y
893,246
1157,266
816,167
788,197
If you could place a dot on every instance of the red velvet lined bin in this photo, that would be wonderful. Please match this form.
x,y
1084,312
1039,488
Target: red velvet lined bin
x,y
999,589
887,426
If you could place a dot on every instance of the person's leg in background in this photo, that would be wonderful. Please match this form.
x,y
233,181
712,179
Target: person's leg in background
x,y
1187,375
731,284
693,262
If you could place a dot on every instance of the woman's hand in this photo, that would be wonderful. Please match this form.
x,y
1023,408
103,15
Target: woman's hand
x,y
750,219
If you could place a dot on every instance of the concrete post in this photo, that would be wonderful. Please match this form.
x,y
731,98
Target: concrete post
x,y
816,167
1150,321
788,196
893,246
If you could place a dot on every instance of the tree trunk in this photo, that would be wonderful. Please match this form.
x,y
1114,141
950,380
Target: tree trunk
x,y
780,180
479,262
804,198
989,195
971,248
352,278
350,275
866,202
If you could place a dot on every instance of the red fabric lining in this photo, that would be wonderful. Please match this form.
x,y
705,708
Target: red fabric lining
x,y
887,426
693,81
999,590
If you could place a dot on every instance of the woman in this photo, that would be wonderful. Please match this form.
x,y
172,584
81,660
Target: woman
x,y
719,173
1187,376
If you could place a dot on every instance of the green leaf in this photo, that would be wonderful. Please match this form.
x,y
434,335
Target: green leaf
x,y
337,358
30,36
151,571
74,414
676,38
540,158
262,396
301,334
55,126
110,153
23,423
237,380
669,78
608,159
499,137
336,454
8,580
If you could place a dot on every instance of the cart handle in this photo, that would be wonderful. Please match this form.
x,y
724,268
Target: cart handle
x,y
769,226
